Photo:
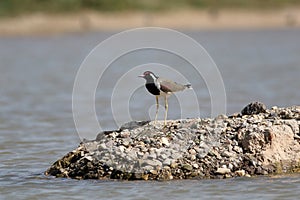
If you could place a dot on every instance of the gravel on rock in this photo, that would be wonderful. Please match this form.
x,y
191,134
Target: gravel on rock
x,y
258,141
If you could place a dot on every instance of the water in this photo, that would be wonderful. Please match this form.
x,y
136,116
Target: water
x,y
37,128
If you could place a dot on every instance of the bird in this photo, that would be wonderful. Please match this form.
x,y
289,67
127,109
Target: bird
x,y
162,87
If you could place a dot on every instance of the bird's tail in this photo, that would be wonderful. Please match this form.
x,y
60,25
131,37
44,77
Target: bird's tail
x,y
188,86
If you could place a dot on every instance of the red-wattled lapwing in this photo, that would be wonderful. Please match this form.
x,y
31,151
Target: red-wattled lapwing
x,y
161,87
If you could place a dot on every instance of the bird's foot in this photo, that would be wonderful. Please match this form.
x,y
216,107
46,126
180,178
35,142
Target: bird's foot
x,y
159,124
155,123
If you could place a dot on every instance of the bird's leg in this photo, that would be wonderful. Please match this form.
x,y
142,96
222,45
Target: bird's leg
x,y
157,106
166,111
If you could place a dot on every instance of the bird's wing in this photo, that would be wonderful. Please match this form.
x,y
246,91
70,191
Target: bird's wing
x,y
170,86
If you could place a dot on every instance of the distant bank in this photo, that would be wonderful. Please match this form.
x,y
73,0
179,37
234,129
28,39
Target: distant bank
x,y
48,24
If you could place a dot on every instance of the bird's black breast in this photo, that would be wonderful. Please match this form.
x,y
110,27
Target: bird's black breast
x,y
151,87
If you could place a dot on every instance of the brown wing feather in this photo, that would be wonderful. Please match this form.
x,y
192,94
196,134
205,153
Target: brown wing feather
x,y
170,86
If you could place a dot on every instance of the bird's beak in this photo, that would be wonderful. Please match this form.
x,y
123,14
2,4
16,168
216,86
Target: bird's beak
x,y
141,76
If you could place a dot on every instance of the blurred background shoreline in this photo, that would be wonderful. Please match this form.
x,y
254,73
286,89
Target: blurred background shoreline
x,y
33,17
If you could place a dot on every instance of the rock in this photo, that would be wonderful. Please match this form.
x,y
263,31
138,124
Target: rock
x,y
254,108
192,157
133,125
122,148
228,176
187,167
154,172
259,142
126,142
226,154
90,158
237,149
125,134
102,146
165,141
192,152
223,171
145,177
153,163
167,161
173,165
293,124
240,172
195,165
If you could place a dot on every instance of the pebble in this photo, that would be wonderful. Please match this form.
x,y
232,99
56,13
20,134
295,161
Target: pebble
x,y
152,156
165,141
193,157
153,163
102,146
125,134
153,172
90,158
167,161
187,167
228,176
122,148
192,151
126,143
226,154
237,149
223,171
173,165
195,165
240,172
145,177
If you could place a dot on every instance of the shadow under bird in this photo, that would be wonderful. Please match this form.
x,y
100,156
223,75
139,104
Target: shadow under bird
x,y
162,87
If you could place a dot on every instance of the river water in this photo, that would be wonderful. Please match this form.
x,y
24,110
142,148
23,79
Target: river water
x,y
37,128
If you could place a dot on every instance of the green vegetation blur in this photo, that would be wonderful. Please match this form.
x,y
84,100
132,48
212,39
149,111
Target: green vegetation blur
x,y
17,7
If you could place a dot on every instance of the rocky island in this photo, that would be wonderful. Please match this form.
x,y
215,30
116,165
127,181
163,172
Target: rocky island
x,y
257,141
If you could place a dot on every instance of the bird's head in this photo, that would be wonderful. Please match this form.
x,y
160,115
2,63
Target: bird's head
x,y
149,76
